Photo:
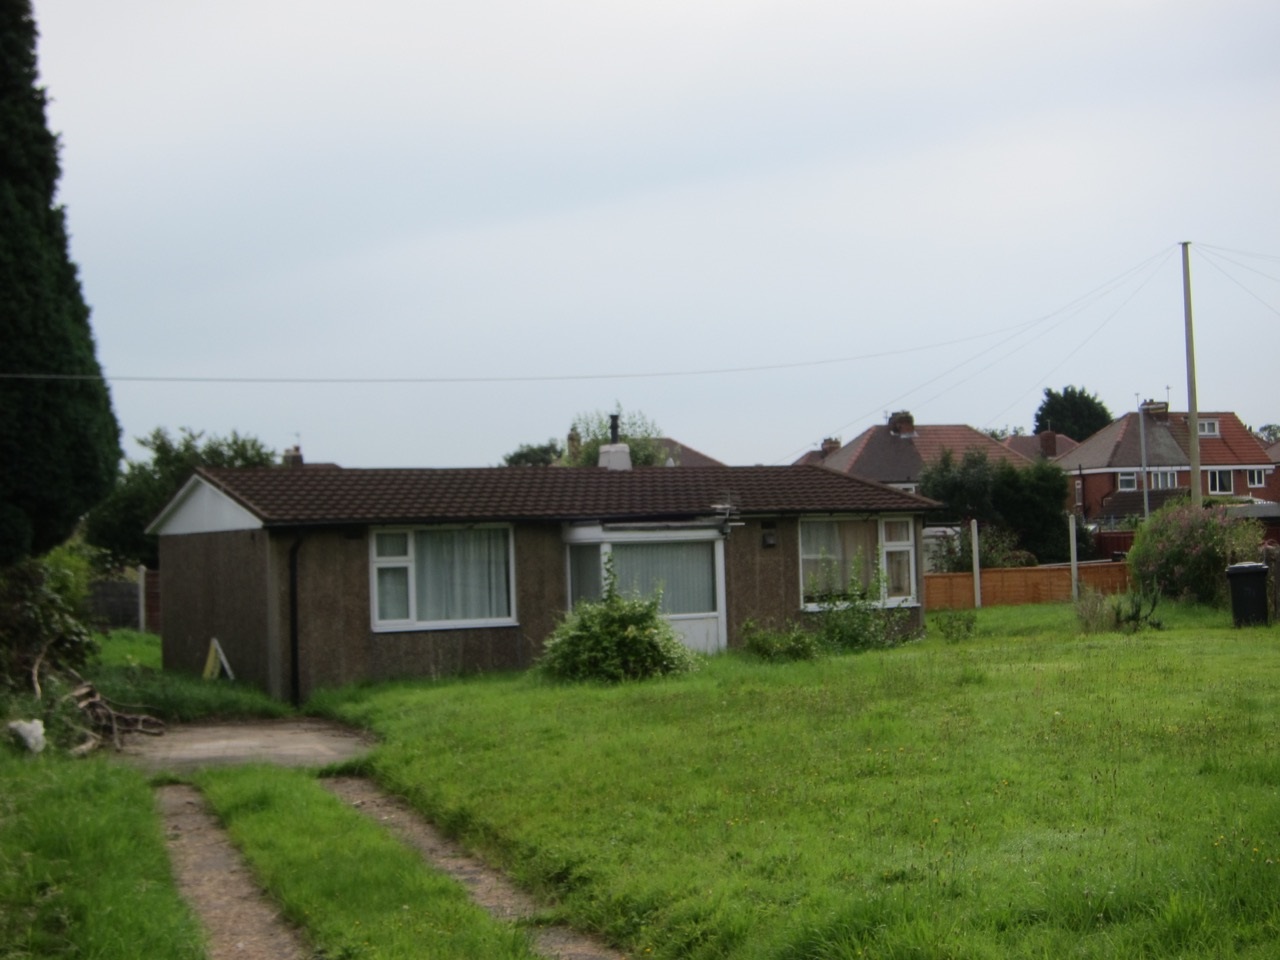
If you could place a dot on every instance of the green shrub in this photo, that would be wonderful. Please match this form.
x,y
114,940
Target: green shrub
x,y
792,642
855,619
1183,551
614,639
40,627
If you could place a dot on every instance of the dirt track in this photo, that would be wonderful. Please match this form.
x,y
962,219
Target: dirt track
x,y
240,920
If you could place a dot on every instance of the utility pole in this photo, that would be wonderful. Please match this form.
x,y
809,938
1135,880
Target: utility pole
x,y
1142,439
1193,415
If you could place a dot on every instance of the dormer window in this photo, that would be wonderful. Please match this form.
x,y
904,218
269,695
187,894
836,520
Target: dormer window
x,y
1207,428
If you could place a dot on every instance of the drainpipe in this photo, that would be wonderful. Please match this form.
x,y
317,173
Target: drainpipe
x,y
295,670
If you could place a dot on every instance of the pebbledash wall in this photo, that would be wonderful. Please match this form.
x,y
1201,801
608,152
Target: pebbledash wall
x,y
240,587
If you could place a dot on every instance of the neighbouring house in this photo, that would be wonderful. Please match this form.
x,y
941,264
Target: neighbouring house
x,y
677,454
897,452
1045,444
313,577
1107,480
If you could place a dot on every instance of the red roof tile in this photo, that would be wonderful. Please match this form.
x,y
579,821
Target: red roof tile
x,y
297,497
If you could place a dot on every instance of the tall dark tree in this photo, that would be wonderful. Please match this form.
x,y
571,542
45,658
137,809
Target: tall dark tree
x,y
59,441
118,524
1075,412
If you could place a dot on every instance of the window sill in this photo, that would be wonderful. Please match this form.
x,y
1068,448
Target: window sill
x,y
402,626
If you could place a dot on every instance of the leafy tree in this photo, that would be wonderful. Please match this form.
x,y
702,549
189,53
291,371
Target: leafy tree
x,y
1001,434
534,454
590,431
1020,510
1074,412
143,488
1269,433
59,441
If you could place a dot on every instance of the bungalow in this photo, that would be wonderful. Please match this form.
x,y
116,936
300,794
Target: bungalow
x,y
316,576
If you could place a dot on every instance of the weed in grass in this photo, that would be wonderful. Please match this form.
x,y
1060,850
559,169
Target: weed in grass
x,y
955,625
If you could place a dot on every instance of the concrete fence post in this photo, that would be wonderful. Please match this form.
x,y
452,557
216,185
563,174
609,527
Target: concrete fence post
x,y
977,567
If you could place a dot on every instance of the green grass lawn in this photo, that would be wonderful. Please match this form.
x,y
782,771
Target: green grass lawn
x,y
1027,792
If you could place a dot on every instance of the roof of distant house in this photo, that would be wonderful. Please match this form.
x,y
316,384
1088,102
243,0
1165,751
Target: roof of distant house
x,y
1044,444
898,451
1119,445
281,496
684,455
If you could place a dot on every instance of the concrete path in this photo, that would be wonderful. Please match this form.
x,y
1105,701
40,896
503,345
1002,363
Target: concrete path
x,y
295,742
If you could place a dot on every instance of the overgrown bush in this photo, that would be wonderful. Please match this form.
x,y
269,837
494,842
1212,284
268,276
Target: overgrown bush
x,y
614,639
856,619
41,630
1183,551
792,642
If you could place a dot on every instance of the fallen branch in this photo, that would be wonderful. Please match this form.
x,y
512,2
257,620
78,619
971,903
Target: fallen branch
x,y
103,719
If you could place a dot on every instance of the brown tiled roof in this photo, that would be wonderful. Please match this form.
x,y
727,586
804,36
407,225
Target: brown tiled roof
x,y
879,454
297,497
1119,444
1273,452
1029,445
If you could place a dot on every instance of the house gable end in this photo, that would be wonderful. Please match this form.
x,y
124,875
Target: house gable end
x,y
201,508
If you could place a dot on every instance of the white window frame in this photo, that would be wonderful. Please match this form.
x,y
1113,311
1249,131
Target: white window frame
x,y
1162,479
883,547
1207,428
1255,477
1127,480
1212,478
605,538
409,562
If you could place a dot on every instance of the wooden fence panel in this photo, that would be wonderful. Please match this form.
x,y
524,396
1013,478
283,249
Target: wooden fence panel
x,y
1014,586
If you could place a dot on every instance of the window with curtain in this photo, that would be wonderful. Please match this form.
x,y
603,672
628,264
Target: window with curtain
x,y
836,552
832,553
440,576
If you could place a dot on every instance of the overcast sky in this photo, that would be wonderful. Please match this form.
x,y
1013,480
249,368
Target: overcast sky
x,y
760,223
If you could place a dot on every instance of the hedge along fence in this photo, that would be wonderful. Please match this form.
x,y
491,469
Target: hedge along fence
x,y
1013,586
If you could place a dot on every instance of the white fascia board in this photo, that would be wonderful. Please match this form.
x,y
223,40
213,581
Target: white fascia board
x,y
200,507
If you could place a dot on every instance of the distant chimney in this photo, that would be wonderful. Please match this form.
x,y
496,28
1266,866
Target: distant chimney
x,y
613,428
902,424
292,457
830,445
614,456
1158,411
1048,444
573,445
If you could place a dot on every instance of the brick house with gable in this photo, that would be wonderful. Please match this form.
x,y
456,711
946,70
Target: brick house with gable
x,y
897,452
1106,474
